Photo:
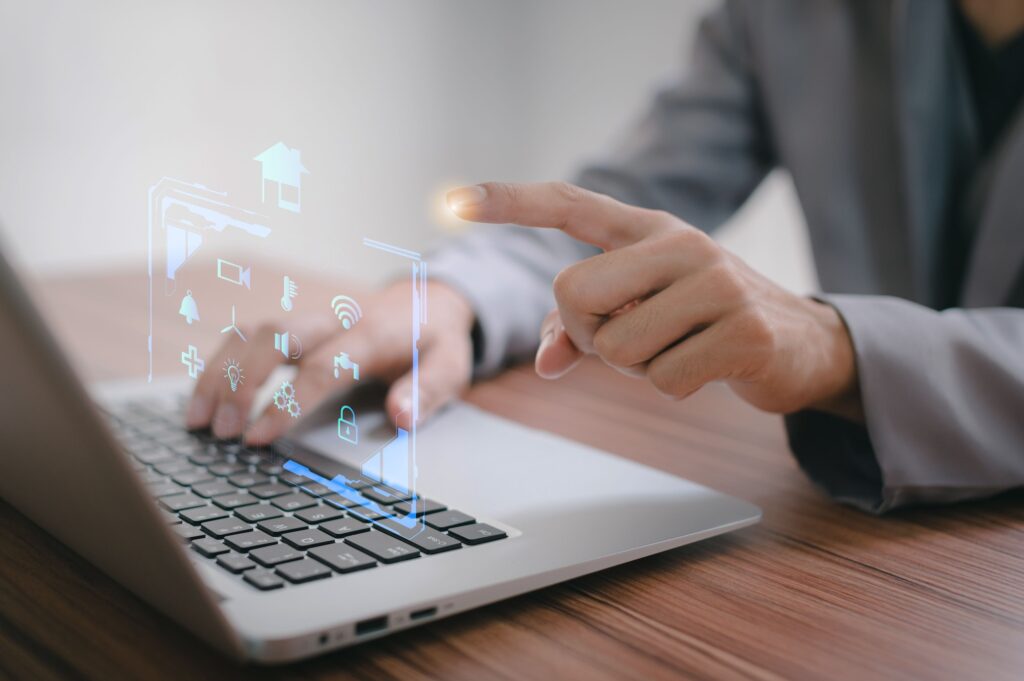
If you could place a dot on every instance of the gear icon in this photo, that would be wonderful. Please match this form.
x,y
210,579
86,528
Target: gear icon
x,y
288,390
280,401
294,410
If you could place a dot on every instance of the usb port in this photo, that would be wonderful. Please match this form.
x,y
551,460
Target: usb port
x,y
422,614
374,624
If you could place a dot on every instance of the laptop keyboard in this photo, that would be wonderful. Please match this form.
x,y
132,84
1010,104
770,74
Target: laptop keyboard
x,y
239,508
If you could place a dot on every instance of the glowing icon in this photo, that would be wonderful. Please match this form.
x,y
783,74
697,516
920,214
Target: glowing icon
x,y
284,400
283,166
283,344
233,326
189,310
236,274
291,289
233,372
190,358
344,362
347,428
347,310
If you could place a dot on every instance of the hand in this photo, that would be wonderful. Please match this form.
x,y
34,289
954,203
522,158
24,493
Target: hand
x,y
666,302
380,343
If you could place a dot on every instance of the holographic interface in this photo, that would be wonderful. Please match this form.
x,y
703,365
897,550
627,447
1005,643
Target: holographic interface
x,y
394,464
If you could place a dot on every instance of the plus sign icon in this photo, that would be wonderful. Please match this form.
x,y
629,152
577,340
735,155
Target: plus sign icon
x,y
191,360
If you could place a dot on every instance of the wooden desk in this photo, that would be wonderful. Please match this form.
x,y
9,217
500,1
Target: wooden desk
x,y
815,591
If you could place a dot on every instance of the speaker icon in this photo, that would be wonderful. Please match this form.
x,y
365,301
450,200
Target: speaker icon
x,y
284,342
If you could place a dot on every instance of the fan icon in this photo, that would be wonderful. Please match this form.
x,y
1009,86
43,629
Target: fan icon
x,y
347,310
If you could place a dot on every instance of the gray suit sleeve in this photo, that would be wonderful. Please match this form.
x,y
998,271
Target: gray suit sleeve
x,y
698,152
943,394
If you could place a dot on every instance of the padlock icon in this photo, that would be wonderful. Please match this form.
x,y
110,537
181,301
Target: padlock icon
x,y
347,428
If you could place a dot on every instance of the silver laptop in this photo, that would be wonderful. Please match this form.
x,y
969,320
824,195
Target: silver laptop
x,y
290,551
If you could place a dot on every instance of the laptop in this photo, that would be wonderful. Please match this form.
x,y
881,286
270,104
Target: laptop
x,y
289,551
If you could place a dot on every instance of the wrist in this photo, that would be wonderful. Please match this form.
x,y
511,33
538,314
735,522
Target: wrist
x,y
839,392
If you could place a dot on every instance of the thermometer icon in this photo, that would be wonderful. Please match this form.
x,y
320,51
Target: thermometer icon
x,y
291,289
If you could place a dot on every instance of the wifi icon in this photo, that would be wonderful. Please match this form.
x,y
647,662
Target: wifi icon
x,y
347,310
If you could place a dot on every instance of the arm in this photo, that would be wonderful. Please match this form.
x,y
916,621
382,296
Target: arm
x,y
943,395
698,152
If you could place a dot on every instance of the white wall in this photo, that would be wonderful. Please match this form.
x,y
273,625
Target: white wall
x,y
390,103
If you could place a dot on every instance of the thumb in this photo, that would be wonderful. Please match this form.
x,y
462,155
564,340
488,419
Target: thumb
x,y
557,354
445,371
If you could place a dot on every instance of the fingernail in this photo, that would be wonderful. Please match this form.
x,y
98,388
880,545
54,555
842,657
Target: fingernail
x,y
227,421
545,340
198,412
465,197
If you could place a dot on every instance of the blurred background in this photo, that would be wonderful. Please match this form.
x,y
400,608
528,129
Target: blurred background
x,y
390,103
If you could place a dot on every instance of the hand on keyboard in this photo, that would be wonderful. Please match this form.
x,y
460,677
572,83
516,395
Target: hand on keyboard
x,y
379,343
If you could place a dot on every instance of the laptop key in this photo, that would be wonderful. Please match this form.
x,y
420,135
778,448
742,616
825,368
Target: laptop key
x,y
279,526
213,489
248,540
223,527
339,501
153,455
305,570
270,468
367,513
164,489
191,477
254,514
307,539
343,527
269,556
315,489
290,478
384,548
477,533
270,491
202,514
319,514
225,468
419,507
445,520
209,547
233,501
150,477
263,579
235,562
203,458
342,558
188,532
423,538
173,466
385,495
181,502
294,502
248,479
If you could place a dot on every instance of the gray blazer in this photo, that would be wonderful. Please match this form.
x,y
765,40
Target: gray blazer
x,y
864,103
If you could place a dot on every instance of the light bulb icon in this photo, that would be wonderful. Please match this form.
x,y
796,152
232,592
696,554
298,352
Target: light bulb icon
x,y
233,372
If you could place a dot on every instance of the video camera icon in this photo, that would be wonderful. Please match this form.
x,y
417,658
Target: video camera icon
x,y
236,274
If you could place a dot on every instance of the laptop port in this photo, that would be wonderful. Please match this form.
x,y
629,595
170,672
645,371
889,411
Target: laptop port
x,y
372,625
422,614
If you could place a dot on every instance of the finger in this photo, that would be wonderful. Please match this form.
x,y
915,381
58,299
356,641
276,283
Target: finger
x,y
690,304
444,373
259,356
584,215
714,354
589,291
205,397
557,355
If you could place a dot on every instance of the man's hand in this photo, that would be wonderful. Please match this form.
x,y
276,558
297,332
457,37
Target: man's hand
x,y
666,302
381,345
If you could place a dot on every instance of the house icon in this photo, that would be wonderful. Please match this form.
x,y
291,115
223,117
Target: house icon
x,y
284,167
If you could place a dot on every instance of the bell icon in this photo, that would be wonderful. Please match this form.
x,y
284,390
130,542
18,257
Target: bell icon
x,y
189,310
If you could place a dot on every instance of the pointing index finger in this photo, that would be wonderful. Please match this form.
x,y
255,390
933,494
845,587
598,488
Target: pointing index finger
x,y
584,215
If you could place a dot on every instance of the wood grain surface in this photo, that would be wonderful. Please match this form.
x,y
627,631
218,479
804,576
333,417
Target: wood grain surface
x,y
816,590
